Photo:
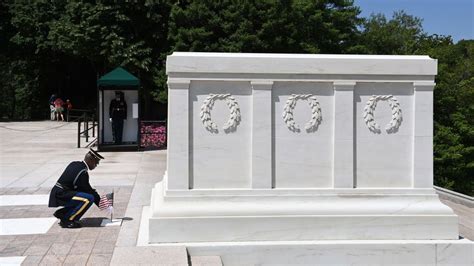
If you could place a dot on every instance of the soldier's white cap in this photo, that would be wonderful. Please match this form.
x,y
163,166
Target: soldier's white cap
x,y
95,154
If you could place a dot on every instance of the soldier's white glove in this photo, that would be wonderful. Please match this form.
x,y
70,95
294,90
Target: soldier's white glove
x,y
110,209
110,119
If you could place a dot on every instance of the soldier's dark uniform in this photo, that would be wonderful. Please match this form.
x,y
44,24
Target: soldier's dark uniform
x,y
118,112
74,192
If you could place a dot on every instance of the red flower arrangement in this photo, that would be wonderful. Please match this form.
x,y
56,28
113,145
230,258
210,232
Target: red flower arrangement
x,y
153,135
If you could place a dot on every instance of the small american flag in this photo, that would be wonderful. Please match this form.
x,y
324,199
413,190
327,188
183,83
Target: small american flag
x,y
106,201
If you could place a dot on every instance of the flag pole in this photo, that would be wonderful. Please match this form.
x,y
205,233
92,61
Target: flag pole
x,y
112,212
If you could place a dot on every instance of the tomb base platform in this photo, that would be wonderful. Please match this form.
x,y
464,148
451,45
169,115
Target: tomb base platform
x,y
298,215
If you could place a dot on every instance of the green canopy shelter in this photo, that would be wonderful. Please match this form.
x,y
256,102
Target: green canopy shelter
x,y
118,103
119,77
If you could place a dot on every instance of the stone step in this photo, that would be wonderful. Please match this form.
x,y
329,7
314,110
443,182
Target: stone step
x,y
171,255
206,261
338,252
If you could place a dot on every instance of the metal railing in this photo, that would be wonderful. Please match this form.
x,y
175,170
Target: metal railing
x,y
86,120
78,113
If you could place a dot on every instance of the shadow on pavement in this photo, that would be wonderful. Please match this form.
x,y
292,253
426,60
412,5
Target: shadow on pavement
x,y
97,221
92,222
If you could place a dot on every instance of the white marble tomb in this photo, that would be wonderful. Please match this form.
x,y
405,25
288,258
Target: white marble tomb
x,y
280,147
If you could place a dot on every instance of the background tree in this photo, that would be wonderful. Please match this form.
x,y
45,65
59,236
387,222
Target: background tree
x,y
399,35
326,26
22,60
454,117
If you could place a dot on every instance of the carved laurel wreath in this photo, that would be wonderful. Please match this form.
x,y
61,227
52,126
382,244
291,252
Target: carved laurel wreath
x,y
369,113
234,109
287,115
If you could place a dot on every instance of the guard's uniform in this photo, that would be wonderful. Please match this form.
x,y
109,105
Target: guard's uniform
x,y
118,112
74,192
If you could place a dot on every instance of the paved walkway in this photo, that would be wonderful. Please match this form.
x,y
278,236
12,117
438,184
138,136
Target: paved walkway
x,y
31,160
463,206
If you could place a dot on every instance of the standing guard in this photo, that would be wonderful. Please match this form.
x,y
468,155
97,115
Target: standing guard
x,y
73,191
118,113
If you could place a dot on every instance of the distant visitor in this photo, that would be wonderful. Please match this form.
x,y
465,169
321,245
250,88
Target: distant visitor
x,y
52,108
59,109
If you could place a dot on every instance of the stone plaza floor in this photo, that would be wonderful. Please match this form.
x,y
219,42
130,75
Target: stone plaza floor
x,y
32,157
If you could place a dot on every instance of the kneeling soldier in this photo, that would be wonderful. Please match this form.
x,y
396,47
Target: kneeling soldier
x,y
74,192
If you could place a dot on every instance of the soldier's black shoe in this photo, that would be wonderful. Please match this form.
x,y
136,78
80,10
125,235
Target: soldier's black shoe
x,y
60,213
69,224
